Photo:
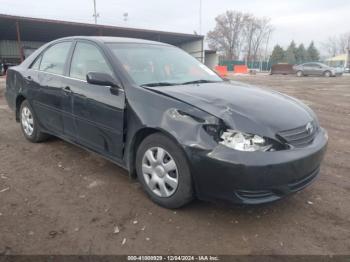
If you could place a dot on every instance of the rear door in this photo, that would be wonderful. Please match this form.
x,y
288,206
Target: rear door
x,y
45,77
98,112
308,69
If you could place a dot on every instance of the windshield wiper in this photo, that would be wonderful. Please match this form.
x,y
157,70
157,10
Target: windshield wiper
x,y
159,84
199,81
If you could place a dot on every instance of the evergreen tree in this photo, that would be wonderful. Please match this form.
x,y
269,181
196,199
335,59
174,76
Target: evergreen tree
x,y
290,55
277,55
301,55
313,53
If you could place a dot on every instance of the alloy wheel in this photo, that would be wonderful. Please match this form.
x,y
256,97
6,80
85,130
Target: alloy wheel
x,y
27,121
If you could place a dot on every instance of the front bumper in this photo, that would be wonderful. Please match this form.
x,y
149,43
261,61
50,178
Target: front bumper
x,y
338,74
256,177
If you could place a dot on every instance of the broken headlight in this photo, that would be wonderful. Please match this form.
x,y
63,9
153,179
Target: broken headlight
x,y
245,142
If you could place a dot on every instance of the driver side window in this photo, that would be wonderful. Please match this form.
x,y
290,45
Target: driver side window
x,y
87,58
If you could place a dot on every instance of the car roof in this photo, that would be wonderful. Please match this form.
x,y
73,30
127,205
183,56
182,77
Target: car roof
x,y
317,63
111,39
100,39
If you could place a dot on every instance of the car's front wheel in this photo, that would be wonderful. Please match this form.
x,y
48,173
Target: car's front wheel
x,y
163,171
327,74
29,124
300,74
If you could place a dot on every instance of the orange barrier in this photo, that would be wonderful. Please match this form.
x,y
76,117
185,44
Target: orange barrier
x,y
221,70
242,69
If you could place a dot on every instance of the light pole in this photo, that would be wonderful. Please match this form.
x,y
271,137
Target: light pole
x,y
200,17
126,16
95,15
348,53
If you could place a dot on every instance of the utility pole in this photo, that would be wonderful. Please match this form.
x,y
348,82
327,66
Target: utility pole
x,y
200,17
348,49
126,16
95,15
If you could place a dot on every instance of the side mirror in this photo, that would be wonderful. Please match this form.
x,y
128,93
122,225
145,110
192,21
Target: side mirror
x,y
101,79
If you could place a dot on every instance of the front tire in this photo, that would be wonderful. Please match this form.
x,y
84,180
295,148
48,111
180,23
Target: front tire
x,y
29,124
300,74
163,171
327,74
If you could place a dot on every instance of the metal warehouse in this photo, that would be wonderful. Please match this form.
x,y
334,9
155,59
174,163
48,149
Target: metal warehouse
x,y
20,36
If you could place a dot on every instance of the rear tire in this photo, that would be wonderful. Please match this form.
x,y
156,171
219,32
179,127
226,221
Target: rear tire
x,y
163,171
29,124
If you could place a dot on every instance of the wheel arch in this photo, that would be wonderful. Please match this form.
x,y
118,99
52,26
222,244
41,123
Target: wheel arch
x,y
137,139
19,100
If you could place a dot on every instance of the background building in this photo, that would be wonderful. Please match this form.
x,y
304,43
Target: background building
x,y
341,61
20,36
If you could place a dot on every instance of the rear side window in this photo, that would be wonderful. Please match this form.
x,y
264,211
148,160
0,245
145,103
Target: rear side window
x,y
54,58
88,58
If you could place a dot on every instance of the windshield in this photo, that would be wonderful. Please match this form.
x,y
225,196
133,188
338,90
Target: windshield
x,y
159,65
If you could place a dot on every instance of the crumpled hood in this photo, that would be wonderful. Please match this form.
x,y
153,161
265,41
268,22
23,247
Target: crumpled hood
x,y
243,107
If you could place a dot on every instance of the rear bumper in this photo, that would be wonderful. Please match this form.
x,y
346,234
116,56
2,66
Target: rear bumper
x,y
256,177
10,99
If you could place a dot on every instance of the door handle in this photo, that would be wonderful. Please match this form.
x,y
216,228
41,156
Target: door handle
x,y
29,78
114,90
67,89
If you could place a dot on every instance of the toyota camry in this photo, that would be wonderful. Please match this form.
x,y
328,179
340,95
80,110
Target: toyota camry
x,y
173,123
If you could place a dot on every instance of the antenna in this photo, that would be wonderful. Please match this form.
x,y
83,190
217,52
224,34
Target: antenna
x,y
95,15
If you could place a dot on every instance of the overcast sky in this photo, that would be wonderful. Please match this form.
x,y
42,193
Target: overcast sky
x,y
299,20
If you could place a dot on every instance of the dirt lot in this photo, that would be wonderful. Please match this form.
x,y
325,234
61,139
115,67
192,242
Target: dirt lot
x,y
56,198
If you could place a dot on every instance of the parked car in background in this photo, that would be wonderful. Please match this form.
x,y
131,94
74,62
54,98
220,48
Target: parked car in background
x,y
168,119
318,69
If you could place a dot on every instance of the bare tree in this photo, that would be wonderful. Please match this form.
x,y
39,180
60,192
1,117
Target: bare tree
x,y
238,34
261,34
337,44
344,42
226,36
249,31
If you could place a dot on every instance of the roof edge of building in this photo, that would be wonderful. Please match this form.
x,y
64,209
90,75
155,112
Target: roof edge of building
x,y
97,26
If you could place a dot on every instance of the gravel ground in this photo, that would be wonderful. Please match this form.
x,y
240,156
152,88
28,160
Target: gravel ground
x,y
56,198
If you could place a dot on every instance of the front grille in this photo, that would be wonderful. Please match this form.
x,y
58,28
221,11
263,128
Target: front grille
x,y
300,136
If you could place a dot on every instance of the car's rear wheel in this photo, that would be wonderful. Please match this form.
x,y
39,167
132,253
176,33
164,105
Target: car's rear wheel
x,y
299,74
327,74
29,124
163,171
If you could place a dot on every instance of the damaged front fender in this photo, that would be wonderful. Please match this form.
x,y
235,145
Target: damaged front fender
x,y
185,123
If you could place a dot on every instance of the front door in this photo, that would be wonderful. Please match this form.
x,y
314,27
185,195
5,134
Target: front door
x,y
98,112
